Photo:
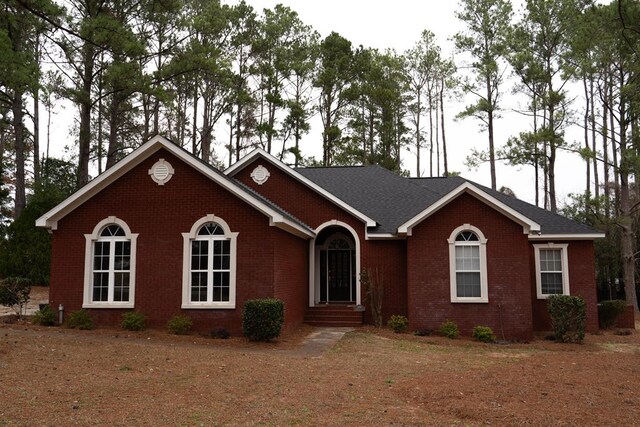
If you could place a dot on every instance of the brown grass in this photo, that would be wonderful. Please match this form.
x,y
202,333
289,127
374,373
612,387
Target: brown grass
x,y
111,377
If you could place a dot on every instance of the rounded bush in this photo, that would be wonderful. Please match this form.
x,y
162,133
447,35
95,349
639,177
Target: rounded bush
x,y
179,325
262,319
484,334
398,323
133,321
449,329
80,320
45,316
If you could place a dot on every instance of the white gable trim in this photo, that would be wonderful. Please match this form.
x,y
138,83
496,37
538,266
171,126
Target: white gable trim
x,y
591,236
51,218
258,152
528,225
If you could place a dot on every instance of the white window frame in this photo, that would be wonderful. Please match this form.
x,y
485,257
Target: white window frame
x,y
90,240
482,243
186,266
564,258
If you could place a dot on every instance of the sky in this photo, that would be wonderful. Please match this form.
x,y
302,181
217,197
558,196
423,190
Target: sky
x,y
397,25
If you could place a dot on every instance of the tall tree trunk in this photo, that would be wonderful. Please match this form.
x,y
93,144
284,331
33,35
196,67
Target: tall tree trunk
x,y
551,168
418,114
156,99
113,147
84,139
614,148
444,139
36,135
586,138
605,154
627,251
536,154
238,147
230,138
430,97
592,120
492,152
206,134
100,136
194,127
437,128
19,134
36,121
48,125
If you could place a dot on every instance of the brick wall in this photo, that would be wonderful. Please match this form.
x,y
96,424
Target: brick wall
x,y
389,258
509,283
314,209
291,276
582,282
159,214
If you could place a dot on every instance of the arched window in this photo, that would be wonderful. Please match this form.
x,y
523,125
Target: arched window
x,y
110,265
209,265
468,265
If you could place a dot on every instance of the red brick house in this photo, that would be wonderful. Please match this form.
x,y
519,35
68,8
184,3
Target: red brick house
x,y
164,233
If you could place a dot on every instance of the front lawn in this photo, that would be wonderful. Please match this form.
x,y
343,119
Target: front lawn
x,y
109,377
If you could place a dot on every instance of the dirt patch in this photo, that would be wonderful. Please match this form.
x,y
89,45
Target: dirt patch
x,y
370,377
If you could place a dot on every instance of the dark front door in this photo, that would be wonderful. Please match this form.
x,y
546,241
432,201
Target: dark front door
x,y
337,275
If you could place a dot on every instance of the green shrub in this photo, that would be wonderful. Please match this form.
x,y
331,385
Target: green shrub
x,y
484,334
449,329
133,321
179,324
398,323
14,293
609,311
262,319
80,320
568,317
45,316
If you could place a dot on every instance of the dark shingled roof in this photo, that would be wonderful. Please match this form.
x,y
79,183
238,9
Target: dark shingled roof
x,y
391,200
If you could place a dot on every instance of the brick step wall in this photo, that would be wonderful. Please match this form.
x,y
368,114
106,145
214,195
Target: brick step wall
x,y
333,315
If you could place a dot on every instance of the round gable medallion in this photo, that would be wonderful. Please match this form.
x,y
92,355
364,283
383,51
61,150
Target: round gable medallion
x,y
161,172
260,175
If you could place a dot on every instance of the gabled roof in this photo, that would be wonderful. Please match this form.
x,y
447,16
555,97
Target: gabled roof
x,y
528,225
398,203
331,196
277,217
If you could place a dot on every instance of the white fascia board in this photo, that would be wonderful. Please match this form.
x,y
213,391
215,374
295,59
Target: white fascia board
x,y
528,225
591,236
383,236
50,219
258,152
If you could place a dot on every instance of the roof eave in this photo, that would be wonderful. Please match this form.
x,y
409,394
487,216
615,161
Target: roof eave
x,y
51,218
528,225
258,152
568,236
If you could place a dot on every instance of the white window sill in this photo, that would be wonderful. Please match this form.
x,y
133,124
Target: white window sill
x,y
108,305
208,306
549,295
470,300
